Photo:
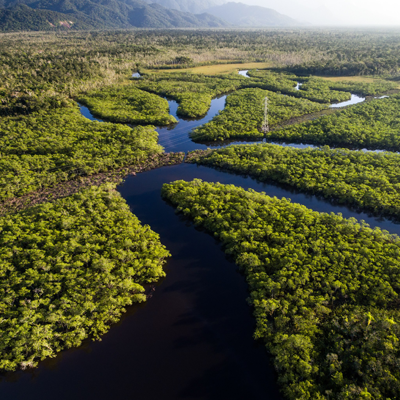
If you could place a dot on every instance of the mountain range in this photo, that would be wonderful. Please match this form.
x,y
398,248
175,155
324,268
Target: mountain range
x,y
239,14
26,15
192,6
17,15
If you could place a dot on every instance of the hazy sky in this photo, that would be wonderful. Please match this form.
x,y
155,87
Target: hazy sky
x,y
355,12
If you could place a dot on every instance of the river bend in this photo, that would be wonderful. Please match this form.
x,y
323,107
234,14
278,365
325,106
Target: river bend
x,y
193,337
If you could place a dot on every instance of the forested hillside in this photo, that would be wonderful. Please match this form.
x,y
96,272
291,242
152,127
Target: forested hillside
x,y
73,14
24,18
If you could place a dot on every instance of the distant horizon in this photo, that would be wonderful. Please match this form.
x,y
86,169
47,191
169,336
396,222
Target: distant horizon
x,y
335,12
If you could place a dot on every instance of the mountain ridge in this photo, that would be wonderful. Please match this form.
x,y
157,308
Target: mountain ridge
x,y
192,6
240,14
18,15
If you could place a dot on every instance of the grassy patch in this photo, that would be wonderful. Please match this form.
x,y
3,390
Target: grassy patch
x,y
220,68
363,79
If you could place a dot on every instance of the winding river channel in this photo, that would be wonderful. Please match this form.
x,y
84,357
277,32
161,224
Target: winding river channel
x,y
193,337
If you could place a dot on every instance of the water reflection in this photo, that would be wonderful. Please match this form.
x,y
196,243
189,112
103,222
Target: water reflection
x,y
354,100
176,137
87,114
244,73
298,85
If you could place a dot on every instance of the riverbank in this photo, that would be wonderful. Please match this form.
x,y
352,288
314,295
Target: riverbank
x,y
207,319
73,186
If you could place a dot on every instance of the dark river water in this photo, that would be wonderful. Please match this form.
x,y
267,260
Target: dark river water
x,y
193,338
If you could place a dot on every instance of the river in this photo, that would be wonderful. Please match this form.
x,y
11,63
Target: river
x,y
193,338
355,99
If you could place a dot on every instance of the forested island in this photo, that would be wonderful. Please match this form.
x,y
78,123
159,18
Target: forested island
x,y
103,136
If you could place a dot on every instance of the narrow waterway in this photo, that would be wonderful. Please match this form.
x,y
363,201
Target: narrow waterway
x,y
355,99
193,337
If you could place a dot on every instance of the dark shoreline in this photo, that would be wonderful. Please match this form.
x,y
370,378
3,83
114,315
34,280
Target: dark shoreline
x,y
68,188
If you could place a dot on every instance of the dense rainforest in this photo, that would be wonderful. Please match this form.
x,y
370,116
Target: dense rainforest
x,y
243,117
193,92
374,125
317,89
313,89
365,180
68,270
243,114
40,70
127,104
48,147
325,290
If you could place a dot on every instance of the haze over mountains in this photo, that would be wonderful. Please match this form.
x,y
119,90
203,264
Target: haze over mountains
x,y
192,6
20,15
239,14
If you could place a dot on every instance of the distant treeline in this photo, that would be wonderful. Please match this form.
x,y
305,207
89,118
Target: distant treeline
x,y
42,70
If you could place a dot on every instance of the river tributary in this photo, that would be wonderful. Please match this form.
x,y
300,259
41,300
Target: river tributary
x,y
193,337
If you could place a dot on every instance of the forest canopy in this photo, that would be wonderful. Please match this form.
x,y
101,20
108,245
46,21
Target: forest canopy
x,y
325,290
374,125
364,180
46,148
243,115
193,92
127,104
68,271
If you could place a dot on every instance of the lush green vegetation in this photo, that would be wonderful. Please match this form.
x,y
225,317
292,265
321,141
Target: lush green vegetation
x,y
68,270
127,104
41,70
313,89
244,113
23,18
96,14
317,89
377,87
325,290
365,180
373,124
193,92
45,148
